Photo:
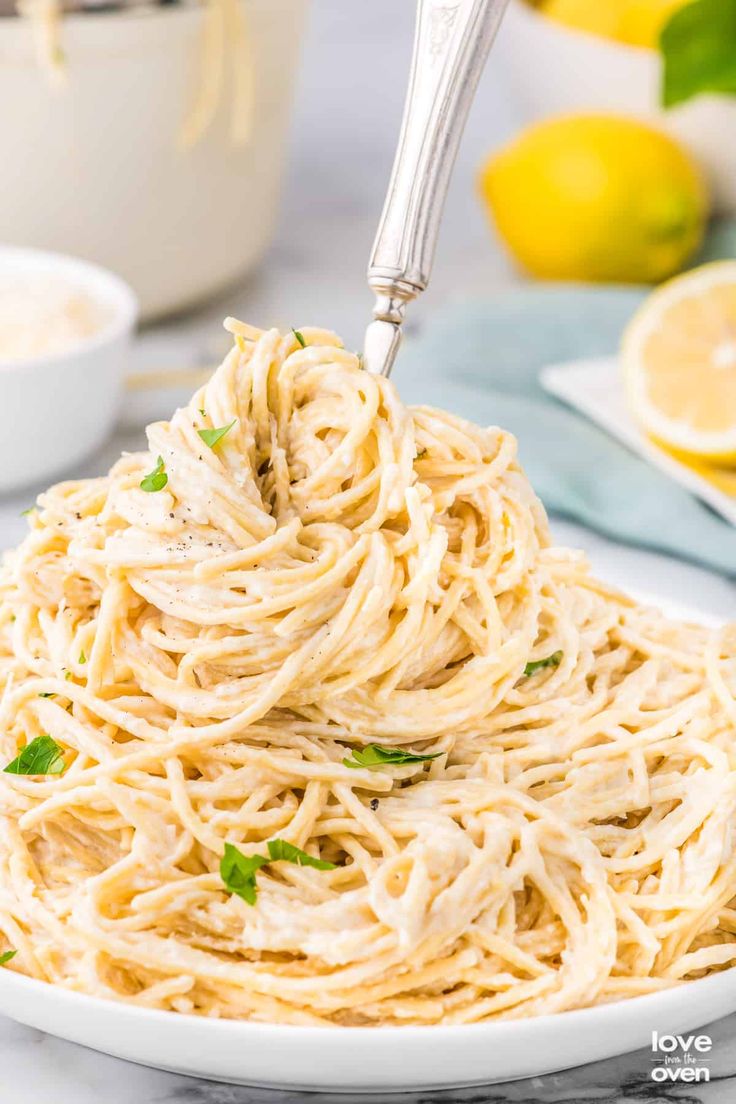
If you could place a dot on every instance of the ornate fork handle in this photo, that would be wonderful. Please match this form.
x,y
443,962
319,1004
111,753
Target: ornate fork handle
x,y
451,44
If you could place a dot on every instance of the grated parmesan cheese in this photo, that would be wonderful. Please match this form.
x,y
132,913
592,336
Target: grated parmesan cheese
x,y
44,313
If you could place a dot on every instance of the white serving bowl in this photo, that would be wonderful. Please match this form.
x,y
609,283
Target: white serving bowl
x,y
370,1059
93,165
556,70
59,406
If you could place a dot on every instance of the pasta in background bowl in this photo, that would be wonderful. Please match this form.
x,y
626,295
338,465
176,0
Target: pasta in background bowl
x,y
199,95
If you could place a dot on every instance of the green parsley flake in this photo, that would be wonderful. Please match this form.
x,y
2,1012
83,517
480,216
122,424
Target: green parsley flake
x,y
300,337
42,756
279,849
238,871
377,756
535,665
213,437
6,957
157,479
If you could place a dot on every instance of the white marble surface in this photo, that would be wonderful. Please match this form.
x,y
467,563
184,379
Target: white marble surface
x,y
355,56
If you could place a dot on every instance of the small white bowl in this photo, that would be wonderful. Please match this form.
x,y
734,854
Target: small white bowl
x,y
556,70
58,407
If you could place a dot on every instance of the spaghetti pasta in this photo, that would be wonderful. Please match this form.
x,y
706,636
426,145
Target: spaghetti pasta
x,y
226,56
321,571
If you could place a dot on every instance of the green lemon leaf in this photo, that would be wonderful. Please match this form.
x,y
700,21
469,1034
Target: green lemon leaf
x,y
157,479
238,872
698,46
212,437
377,756
535,665
42,756
279,849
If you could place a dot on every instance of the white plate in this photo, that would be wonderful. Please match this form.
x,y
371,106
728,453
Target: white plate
x,y
369,1059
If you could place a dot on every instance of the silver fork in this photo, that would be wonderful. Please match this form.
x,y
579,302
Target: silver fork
x,y
451,44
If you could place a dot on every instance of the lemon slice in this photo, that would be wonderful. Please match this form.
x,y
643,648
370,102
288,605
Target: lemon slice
x,y
679,360
724,479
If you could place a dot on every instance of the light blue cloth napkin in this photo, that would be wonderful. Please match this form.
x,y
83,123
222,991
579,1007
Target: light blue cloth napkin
x,y
482,359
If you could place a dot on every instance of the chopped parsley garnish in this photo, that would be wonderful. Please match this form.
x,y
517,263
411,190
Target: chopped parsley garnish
x,y
213,437
203,412
279,849
30,510
42,756
157,479
6,957
46,694
377,756
238,871
535,665
300,337
82,657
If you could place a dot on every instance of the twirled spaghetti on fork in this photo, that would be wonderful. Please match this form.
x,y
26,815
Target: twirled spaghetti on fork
x,y
318,627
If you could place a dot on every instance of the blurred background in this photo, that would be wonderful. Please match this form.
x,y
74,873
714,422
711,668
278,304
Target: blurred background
x,y
232,158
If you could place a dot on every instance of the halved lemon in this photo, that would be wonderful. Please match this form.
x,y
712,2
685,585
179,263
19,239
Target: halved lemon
x,y
722,478
679,360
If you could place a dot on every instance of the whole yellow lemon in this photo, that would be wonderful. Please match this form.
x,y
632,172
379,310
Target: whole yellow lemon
x,y
636,22
596,197
643,20
598,17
